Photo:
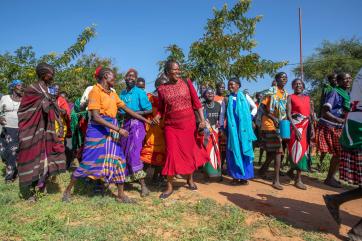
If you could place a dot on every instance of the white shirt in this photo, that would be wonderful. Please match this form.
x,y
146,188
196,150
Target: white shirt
x,y
84,98
9,110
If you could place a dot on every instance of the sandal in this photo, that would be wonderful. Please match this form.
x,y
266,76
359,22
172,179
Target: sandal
x,y
165,195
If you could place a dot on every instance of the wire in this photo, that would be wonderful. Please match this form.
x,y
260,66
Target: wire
x,y
324,60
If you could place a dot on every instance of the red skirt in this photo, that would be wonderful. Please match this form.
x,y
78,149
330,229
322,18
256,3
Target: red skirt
x,y
183,154
328,139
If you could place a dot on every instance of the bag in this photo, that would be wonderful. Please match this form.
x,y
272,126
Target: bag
x,y
196,113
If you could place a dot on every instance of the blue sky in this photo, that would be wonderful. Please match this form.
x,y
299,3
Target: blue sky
x,y
134,32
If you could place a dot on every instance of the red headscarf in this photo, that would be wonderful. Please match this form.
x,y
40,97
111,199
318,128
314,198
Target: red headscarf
x,y
132,70
96,73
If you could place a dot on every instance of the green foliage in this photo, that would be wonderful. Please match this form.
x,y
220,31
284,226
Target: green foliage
x,y
331,57
74,71
226,49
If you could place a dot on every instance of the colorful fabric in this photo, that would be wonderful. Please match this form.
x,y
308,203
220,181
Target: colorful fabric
x,y
211,144
136,99
176,104
103,157
9,144
328,139
41,152
240,132
298,150
271,141
132,146
78,125
352,132
350,166
107,102
275,100
64,118
240,137
351,137
153,151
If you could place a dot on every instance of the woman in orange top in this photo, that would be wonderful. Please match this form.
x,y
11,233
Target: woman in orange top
x,y
103,157
153,151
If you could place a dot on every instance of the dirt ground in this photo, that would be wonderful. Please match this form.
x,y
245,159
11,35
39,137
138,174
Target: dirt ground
x,y
300,209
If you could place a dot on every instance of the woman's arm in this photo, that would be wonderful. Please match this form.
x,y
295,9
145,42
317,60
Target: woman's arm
x,y
326,113
135,115
311,119
252,104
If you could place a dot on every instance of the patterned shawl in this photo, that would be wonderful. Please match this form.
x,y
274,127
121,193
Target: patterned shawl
x,y
41,152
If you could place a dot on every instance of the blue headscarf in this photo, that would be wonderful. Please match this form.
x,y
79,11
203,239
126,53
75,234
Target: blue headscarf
x,y
13,84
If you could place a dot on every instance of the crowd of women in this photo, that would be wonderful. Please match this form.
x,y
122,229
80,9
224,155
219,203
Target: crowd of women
x,y
116,138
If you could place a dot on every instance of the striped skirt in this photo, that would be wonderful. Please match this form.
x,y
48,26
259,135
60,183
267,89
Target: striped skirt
x,y
271,141
103,157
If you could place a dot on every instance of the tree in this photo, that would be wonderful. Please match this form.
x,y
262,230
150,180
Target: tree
x,y
77,77
72,73
226,49
341,56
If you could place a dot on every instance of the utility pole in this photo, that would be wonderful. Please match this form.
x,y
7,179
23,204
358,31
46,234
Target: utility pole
x,y
300,45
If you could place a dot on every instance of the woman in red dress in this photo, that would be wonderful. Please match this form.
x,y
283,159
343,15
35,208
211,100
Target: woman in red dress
x,y
177,102
299,114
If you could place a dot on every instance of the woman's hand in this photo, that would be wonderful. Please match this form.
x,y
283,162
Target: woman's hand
x,y
202,124
156,120
123,132
2,121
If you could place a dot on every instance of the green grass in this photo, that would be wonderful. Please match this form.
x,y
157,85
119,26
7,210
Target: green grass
x,y
93,217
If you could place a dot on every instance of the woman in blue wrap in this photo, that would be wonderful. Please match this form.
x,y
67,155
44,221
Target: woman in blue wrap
x,y
238,109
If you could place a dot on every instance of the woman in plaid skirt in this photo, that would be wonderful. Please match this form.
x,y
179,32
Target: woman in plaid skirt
x,y
334,111
351,159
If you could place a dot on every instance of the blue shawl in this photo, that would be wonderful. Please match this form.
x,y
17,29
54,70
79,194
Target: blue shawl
x,y
241,134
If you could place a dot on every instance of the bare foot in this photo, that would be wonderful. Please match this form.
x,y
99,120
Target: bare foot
x,y
145,191
66,197
125,199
